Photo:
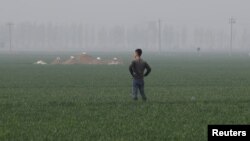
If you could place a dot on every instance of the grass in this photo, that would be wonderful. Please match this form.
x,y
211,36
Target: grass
x,y
84,102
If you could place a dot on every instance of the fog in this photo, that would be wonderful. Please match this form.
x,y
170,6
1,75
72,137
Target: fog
x,y
122,25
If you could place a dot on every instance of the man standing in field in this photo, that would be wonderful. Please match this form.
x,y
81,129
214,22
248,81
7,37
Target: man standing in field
x,y
137,69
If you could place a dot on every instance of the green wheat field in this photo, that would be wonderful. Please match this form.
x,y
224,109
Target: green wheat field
x,y
186,92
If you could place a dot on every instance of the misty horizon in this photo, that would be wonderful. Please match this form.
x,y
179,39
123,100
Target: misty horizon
x,y
124,24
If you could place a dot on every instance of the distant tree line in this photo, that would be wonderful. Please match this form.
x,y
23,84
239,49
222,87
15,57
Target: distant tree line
x,y
50,36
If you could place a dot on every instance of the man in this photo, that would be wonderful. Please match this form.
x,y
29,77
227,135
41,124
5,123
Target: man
x,y
137,69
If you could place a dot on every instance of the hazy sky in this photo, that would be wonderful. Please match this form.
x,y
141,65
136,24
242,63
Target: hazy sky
x,y
211,12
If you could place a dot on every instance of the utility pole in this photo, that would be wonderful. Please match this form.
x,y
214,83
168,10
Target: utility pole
x,y
231,22
10,34
159,35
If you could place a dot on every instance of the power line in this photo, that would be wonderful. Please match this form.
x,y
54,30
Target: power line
x,y
159,34
10,34
231,22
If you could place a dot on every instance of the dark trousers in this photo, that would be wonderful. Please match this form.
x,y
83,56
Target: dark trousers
x,y
138,84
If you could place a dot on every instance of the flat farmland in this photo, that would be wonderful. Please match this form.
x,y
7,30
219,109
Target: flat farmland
x,y
185,93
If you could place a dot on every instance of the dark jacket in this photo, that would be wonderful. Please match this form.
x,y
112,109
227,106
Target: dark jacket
x,y
138,67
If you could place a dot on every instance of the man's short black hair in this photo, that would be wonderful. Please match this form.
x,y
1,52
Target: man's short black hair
x,y
138,51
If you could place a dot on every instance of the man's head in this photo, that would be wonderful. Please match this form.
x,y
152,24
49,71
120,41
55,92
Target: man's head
x,y
138,53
